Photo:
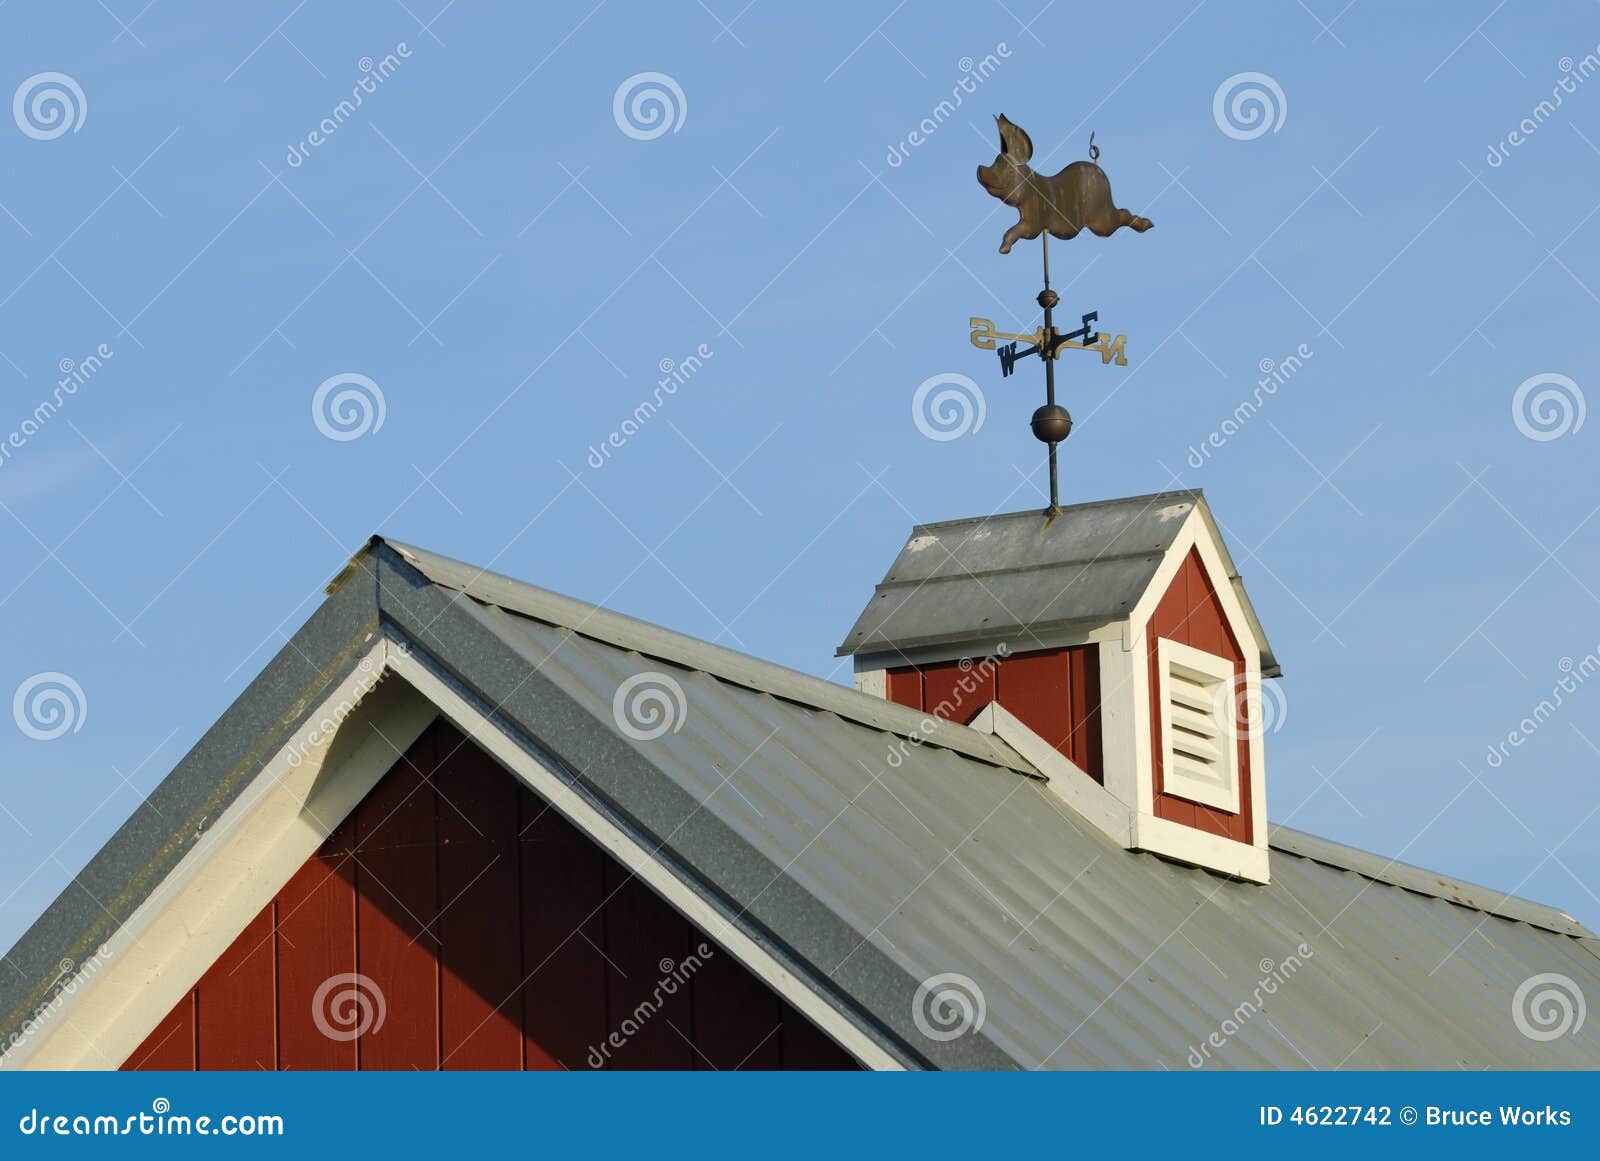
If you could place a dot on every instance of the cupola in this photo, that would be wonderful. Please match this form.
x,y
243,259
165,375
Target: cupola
x,y
1112,644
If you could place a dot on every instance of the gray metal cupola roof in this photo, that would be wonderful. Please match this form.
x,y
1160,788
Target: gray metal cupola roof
x,y
1019,576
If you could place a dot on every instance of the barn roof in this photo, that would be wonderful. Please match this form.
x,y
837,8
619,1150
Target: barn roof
x,y
868,865
1027,574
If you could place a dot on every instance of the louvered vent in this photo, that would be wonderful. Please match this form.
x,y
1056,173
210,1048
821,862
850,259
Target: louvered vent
x,y
1199,746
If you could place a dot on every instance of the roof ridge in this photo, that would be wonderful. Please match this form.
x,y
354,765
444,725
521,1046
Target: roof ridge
x,y
1187,493
622,631
1394,873
1011,570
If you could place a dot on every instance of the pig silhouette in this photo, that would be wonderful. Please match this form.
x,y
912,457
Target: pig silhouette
x,y
1077,198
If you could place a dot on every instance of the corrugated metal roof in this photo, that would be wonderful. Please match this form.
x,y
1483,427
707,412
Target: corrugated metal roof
x,y
1088,956
869,864
1019,576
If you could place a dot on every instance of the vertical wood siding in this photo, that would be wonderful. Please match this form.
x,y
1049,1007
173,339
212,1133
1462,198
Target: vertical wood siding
x,y
1055,692
1190,614
498,936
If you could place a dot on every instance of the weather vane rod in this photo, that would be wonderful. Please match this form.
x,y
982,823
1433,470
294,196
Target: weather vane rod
x,y
1077,198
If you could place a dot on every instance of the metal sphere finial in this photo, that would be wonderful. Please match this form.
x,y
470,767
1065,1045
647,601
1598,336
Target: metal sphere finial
x,y
1051,424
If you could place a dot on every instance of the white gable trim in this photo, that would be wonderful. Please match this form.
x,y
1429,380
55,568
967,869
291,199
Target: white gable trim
x,y
1125,724
280,820
872,681
1252,647
244,860
1067,781
1196,533
1186,844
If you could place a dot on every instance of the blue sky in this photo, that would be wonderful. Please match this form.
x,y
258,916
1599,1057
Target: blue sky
x,y
508,269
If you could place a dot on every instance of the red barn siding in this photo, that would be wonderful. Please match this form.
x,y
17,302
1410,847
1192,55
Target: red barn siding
x,y
1055,692
316,940
170,1048
395,865
499,936
1190,614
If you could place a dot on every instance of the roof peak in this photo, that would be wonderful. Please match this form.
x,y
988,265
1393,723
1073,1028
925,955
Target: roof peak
x,y
1188,494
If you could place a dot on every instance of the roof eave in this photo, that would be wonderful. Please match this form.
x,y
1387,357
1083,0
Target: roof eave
x,y
1269,661
179,812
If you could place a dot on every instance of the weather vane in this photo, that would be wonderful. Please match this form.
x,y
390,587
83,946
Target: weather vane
x,y
1076,199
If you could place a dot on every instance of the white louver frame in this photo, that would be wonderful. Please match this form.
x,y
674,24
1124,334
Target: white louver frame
x,y
1199,746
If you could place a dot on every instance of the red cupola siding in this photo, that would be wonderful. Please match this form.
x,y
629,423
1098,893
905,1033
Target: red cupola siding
x,y
1054,692
455,920
1110,643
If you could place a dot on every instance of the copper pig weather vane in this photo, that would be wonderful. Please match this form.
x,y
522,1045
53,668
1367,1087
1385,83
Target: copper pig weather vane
x,y
1076,199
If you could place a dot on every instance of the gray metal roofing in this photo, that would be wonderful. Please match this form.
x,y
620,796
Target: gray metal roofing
x,y
868,865
1087,955
1018,575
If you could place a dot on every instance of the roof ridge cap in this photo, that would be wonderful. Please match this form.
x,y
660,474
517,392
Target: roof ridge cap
x,y
1437,885
520,598
1038,566
1188,493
